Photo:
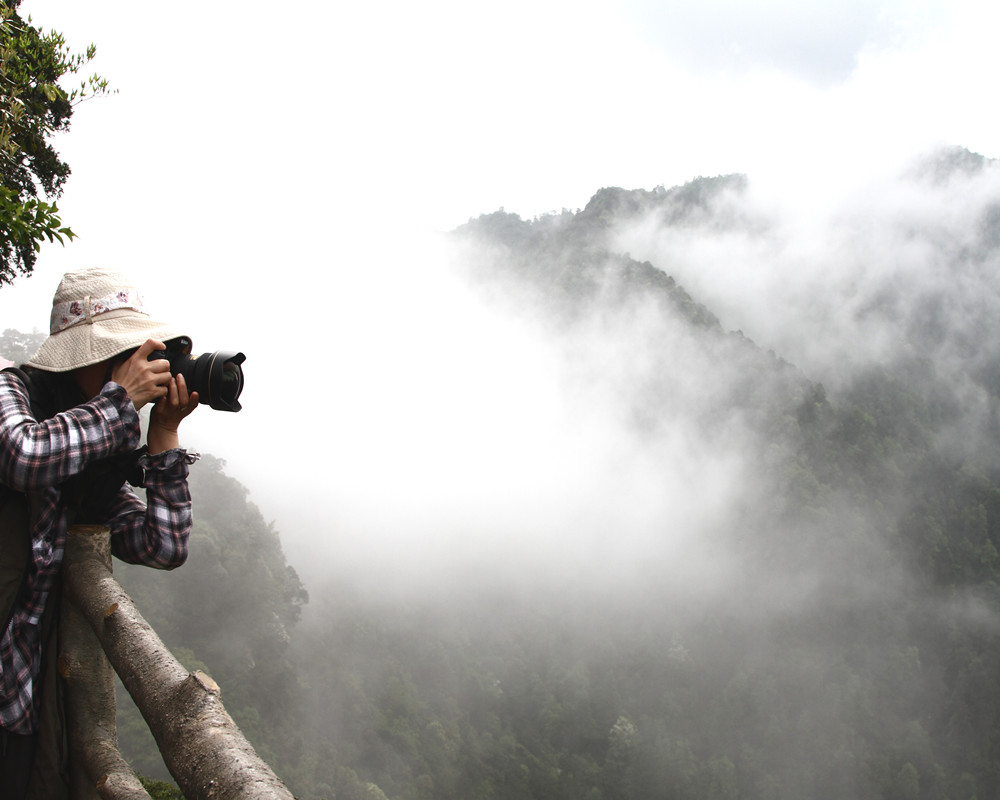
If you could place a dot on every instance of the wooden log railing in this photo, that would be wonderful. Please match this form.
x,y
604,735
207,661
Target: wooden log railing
x,y
102,632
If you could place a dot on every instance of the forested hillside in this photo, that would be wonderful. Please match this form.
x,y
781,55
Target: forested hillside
x,y
816,617
794,589
230,611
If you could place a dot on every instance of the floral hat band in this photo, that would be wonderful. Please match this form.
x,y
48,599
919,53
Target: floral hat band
x,y
73,312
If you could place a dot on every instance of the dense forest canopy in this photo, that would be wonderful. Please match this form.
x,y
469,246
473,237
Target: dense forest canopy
x,y
789,590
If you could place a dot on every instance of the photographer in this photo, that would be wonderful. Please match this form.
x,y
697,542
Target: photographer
x,y
69,439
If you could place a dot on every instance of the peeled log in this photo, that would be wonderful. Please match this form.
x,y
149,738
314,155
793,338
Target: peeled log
x,y
206,753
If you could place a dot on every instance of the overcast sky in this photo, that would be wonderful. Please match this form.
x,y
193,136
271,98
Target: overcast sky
x,y
274,175
345,115
245,134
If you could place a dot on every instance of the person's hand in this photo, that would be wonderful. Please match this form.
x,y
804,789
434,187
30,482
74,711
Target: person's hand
x,y
167,414
144,380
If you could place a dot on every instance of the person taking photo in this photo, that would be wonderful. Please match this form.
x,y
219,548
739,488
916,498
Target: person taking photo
x,y
70,454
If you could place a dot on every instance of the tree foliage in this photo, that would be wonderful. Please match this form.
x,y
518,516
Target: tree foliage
x,y
33,108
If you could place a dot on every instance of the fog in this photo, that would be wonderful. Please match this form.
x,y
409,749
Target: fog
x,y
279,183
496,445
401,424
422,434
837,283
445,435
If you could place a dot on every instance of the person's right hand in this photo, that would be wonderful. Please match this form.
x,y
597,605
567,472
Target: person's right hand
x,y
145,381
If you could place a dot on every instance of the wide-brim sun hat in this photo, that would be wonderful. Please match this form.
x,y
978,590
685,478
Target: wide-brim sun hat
x,y
96,315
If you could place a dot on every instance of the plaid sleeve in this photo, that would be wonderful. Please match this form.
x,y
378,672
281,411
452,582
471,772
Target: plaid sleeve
x,y
36,455
155,533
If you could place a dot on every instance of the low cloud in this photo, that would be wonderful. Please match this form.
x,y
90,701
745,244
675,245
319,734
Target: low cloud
x,y
887,269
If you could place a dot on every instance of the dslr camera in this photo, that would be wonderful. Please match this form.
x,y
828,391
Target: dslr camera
x,y
216,377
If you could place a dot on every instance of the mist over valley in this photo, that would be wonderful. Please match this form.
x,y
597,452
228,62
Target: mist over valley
x,y
550,482
691,492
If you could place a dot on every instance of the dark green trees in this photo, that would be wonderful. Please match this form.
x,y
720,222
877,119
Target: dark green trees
x,y
229,611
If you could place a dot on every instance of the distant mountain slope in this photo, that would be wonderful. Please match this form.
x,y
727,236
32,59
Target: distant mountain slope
x,y
868,550
905,284
807,607
672,356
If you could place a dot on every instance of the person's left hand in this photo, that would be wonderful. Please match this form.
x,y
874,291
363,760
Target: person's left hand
x,y
168,413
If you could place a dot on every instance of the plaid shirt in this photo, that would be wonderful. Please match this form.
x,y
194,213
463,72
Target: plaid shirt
x,y
37,457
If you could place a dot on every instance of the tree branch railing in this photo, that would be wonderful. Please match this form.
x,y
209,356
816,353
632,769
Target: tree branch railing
x,y
204,750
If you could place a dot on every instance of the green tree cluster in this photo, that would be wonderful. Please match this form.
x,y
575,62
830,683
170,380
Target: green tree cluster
x,y
33,108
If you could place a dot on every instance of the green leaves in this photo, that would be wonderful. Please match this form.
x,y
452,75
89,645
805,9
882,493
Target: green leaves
x,y
33,107
24,225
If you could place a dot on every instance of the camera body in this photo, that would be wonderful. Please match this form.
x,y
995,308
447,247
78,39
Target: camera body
x,y
216,377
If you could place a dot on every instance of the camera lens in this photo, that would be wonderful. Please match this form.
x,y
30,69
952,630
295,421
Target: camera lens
x,y
216,377
231,382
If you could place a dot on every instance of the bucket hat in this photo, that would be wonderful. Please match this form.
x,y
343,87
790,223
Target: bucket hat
x,y
96,314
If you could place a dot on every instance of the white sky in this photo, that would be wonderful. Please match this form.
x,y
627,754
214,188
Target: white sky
x,y
272,173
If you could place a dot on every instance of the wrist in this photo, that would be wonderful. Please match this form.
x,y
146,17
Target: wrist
x,y
160,438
